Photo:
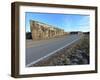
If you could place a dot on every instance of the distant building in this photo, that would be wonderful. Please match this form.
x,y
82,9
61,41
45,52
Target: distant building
x,y
44,31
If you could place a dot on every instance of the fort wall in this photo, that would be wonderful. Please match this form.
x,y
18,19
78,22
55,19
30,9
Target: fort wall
x,y
43,31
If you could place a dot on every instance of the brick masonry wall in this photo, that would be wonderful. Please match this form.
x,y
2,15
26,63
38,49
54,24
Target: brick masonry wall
x,y
43,31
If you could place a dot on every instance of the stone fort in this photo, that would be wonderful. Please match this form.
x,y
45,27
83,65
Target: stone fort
x,y
41,30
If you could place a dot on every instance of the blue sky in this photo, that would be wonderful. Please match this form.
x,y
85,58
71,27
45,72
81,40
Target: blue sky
x,y
68,22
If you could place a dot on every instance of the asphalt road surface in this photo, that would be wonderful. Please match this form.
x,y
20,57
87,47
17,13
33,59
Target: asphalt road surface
x,y
38,50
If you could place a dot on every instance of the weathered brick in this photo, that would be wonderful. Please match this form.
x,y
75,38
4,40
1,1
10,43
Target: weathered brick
x,y
43,31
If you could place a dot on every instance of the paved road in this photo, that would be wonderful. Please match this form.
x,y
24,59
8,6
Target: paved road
x,y
36,50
